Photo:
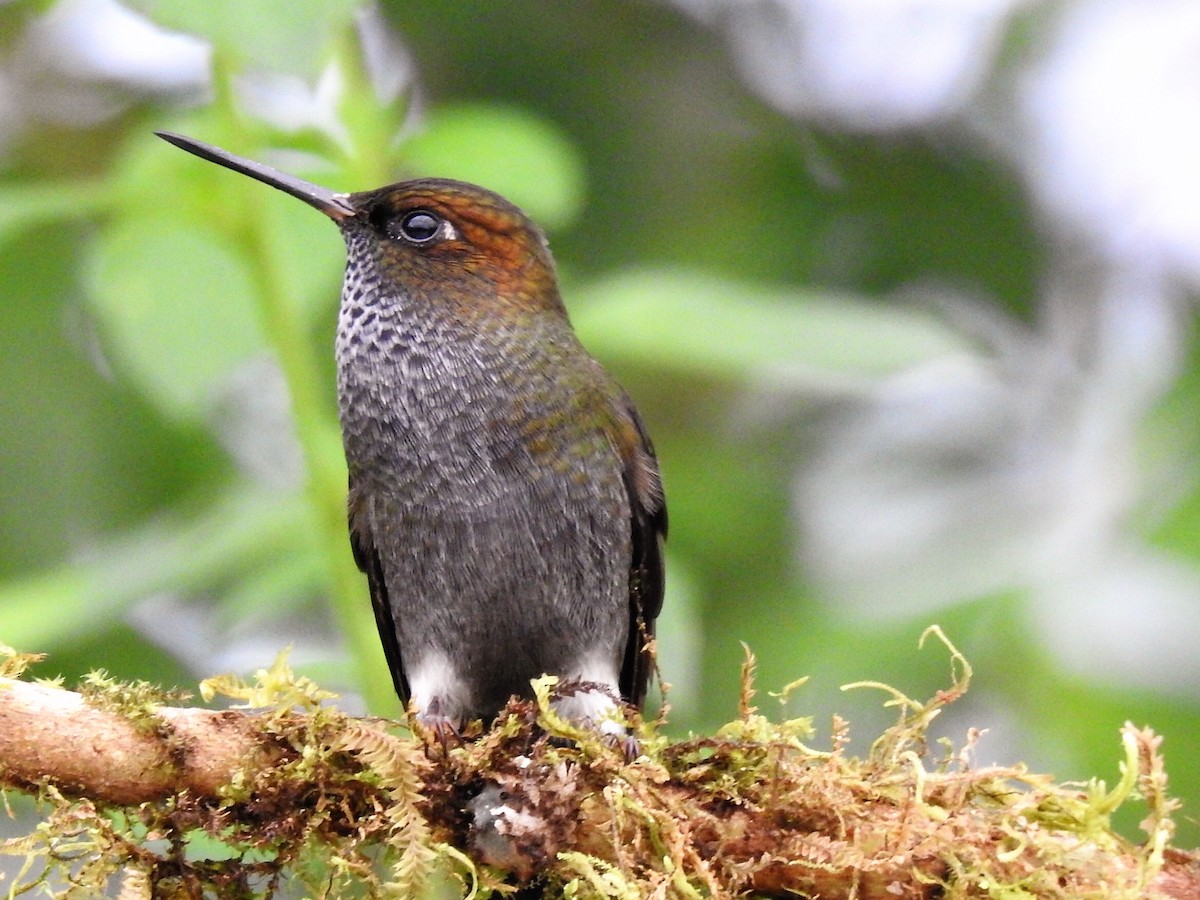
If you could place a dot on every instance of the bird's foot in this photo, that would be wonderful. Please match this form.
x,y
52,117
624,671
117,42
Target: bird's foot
x,y
597,706
437,726
626,742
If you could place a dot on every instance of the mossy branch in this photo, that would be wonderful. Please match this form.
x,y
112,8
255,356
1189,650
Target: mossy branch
x,y
116,756
166,801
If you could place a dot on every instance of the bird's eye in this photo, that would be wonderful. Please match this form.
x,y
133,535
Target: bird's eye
x,y
420,226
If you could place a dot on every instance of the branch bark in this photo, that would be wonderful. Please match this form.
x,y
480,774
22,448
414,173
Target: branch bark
x,y
49,735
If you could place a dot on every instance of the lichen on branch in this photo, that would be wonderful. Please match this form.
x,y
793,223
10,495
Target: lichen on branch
x,y
162,801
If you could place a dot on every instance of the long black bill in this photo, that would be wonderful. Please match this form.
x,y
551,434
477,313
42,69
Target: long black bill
x,y
336,206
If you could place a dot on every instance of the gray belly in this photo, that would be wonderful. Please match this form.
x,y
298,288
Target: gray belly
x,y
487,596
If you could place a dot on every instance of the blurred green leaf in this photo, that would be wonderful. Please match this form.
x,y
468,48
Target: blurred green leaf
x,y
274,589
186,551
178,306
507,150
25,206
691,321
280,35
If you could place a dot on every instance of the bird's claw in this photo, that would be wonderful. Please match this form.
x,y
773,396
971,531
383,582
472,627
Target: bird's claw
x,y
440,728
627,743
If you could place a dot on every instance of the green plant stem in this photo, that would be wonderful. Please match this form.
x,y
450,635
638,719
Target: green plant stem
x,y
324,467
317,432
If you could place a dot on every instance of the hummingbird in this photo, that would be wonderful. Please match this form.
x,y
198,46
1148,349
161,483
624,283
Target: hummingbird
x,y
505,501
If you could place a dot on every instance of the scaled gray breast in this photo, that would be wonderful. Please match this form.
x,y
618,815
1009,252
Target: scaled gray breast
x,y
431,414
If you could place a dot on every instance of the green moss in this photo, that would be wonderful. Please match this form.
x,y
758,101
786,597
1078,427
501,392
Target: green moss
x,y
356,808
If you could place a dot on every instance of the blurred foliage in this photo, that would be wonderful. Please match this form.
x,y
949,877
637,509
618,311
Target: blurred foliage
x,y
707,255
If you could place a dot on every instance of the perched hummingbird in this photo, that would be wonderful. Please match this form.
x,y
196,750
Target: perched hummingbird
x,y
505,501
